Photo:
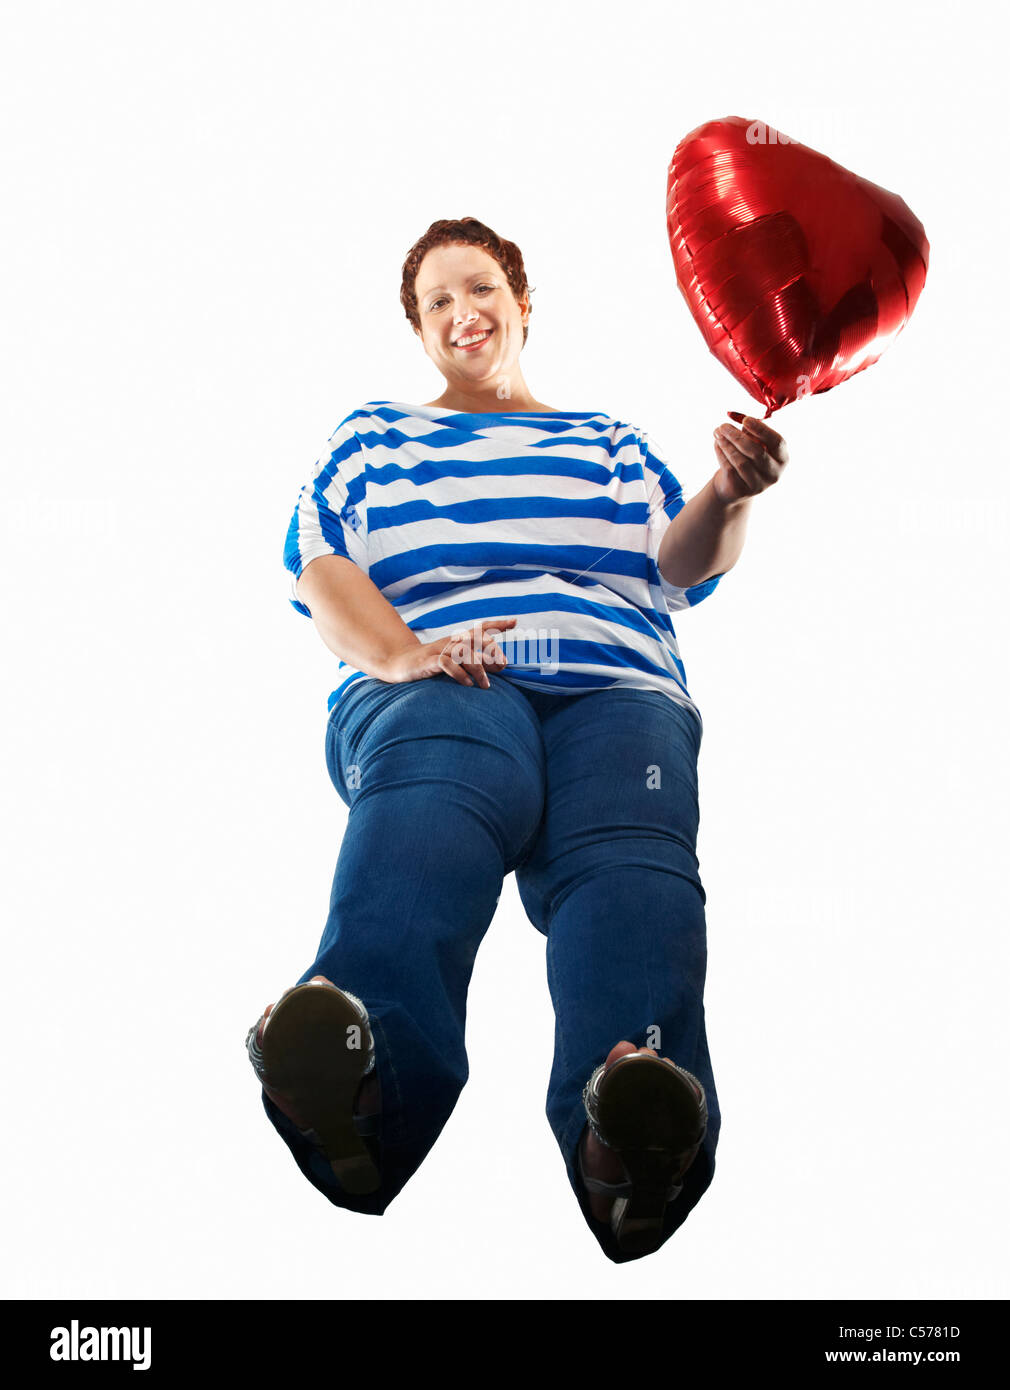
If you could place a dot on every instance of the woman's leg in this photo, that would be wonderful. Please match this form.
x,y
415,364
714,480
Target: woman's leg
x,y
445,789
613,883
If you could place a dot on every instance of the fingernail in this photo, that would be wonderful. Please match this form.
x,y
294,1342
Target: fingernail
x,y
735,415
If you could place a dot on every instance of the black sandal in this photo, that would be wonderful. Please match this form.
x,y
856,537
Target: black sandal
x,y
653,1115
307,1057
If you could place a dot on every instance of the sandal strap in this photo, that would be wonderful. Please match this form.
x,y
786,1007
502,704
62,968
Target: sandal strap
x,y
591,1100
591,1095
622,1189
608,1189
366,1126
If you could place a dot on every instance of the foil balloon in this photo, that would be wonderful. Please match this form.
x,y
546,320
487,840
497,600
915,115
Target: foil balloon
x,y
798,273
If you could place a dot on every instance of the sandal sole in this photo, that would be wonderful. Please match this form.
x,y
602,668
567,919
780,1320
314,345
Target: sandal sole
x,y
307,1058
650,1116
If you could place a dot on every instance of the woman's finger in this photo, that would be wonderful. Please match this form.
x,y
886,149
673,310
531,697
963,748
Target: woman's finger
x,y
483,633
464,656
480,676
489,637
492,648
460,648
489,628
473,665
746,453
760,429
451,668
742,467
746,443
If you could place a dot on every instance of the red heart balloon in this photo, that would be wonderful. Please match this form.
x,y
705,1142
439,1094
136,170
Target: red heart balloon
x,y
798,272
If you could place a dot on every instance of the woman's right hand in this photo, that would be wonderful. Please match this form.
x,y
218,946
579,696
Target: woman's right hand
x,y
469,653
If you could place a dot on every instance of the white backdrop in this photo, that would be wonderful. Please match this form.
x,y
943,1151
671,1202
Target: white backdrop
x,y
206,212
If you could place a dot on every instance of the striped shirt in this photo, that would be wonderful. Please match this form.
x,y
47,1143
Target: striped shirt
x,y
553,518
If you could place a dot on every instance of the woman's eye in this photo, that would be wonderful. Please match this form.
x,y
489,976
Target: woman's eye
x,y
433,306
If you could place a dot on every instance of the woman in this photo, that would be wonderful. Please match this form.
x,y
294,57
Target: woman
x,y
496,576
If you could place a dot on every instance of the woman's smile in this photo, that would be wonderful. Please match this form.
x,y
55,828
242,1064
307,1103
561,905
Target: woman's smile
x,y
472,327
470,342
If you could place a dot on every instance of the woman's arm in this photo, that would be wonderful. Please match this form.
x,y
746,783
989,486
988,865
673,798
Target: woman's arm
x,y
706,536
351,615
364,629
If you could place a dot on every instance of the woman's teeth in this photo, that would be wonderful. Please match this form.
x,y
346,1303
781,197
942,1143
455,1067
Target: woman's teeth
x,y
472,338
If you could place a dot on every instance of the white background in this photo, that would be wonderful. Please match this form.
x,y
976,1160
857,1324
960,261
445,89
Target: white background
x,y
206,212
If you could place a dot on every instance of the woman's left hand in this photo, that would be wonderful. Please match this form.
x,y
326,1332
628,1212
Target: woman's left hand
x,y
751,458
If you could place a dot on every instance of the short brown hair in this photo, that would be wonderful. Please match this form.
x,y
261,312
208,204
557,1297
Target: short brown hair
x,y
468,231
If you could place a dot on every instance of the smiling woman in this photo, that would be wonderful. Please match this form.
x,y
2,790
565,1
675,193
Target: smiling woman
x,y
465,293
430,542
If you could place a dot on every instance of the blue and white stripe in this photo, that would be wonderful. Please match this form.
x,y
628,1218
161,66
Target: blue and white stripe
x,y
554,519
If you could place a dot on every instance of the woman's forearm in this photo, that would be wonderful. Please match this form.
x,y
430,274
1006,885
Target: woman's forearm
x,y
705,538
351,616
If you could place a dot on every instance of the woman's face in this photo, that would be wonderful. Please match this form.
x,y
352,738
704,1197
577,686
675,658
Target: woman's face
x,y
462,293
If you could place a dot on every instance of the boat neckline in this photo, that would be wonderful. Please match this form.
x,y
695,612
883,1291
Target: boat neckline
x,y
485,414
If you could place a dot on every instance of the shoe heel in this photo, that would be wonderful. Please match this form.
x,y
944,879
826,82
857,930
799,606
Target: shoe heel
x,y
637,1220
358,1176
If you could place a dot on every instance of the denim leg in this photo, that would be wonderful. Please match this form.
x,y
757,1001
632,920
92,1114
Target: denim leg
x,y
445,789
613,882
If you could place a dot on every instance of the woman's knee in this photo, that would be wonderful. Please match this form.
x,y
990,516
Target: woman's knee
x,y
465,748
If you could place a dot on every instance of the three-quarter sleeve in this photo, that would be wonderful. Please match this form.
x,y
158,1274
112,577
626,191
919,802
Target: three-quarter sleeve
x,y
666,499
330,516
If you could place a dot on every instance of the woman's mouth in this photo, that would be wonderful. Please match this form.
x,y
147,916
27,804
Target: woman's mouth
x,y
473,342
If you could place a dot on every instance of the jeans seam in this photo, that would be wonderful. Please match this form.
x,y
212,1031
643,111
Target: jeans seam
x,y
527,847
396,1126
561,1045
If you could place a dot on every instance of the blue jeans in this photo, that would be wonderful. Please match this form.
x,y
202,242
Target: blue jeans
x,y
593,801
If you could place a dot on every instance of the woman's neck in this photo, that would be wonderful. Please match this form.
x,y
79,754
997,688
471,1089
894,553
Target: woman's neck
x,y
488,401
